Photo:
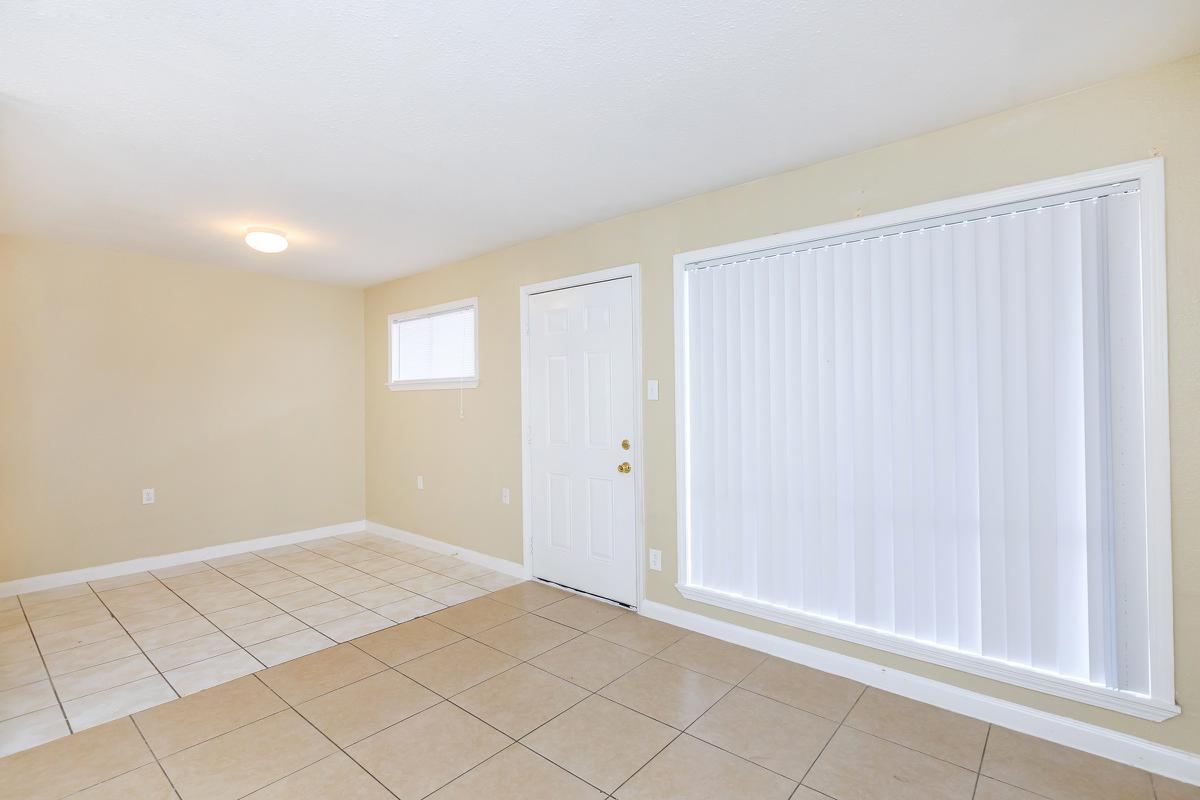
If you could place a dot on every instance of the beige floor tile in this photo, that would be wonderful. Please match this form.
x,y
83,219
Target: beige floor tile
x,y
68,605
493,581
174,632
335,574
327,612
22,700
288,585
667,692
30,599
197,580
426,583
290,646
639,633
601,741
313,675
121,582
335,777
529,595
144,620
519,700
212,671
249,758
457,667
463,571
243,615
1167,789
21,673
304,598
769,733
12,616
260,577
220,601
179,569
934,731
265,629
30,730
138,599
516,773
177,725
713,657
90,655
191,651
580,613
689,768
991,789
233,560
407,641
1055,771
409,608
382,596
354,712
455,593
68,622
357,584
856,764
527,636
119,701
10,602
820,693
589,662
72,763
442,563
143,783
354,626
400,572
428,750
474,616
19,650
102,676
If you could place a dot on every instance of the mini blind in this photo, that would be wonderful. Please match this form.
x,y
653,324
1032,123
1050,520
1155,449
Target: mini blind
x,y
933,431
434,345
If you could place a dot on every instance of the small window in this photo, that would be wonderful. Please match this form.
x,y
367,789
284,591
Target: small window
x,y
434,348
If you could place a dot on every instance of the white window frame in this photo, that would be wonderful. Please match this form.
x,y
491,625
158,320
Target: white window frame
x,y
435,383
1160,703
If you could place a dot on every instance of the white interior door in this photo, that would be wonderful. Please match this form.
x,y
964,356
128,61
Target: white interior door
x,y
581,403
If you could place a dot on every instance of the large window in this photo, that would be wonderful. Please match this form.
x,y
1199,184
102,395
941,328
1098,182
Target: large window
x,y
434,348
942,431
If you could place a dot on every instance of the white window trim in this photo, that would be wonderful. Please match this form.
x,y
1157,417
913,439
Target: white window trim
x,y
1160,703
439,383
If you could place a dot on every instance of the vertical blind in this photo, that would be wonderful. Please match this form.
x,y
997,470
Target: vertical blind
x,y
436,346
933,431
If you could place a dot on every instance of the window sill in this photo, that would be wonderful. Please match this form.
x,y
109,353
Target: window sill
x,y
451,383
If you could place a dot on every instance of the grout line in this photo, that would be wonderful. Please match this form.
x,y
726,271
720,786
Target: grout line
x,y
49,679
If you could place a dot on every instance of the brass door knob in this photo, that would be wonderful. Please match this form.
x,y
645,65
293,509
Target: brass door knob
x,y
624,467
624,444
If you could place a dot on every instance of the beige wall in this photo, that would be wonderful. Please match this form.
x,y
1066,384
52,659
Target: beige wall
x,y
466,461
237,396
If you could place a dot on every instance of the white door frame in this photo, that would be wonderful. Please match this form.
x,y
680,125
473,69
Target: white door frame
x,y
633,271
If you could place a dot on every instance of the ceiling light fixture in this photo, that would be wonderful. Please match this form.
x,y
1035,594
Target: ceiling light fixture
x,y
266,240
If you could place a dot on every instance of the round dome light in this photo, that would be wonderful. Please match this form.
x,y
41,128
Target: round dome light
x,y
265,240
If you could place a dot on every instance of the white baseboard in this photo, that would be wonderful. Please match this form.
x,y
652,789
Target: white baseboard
x,y
56,579
1168,761
436,545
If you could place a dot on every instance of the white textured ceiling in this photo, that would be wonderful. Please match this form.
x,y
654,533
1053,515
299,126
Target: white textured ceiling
x,y
389,137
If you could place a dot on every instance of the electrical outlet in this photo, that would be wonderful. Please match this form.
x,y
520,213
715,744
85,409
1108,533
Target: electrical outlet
x,y
147,497
656,560
420,481
505,497
651,389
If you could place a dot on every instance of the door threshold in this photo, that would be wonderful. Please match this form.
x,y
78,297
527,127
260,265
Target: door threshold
x,y
599,597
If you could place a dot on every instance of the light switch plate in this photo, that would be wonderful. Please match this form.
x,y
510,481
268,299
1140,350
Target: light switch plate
x,y
505,497
420,481
656,560
651,389
147,497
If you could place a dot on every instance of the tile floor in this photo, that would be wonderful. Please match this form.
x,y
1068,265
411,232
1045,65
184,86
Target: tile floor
x,y
78,656
527,692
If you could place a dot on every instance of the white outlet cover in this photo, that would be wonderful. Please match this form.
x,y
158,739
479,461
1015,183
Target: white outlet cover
x,y
656,560
147,497
505,497
651,389
420,481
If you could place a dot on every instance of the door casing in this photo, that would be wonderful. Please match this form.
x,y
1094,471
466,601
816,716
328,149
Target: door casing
x,y
639,484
